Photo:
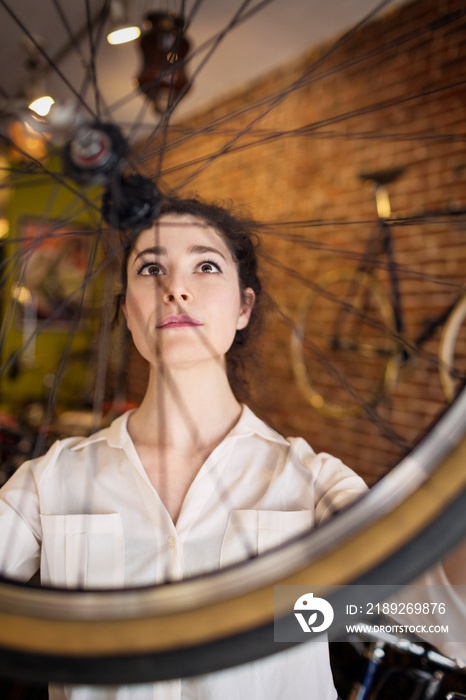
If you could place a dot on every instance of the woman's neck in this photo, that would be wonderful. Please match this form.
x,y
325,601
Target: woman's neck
x,y
185,408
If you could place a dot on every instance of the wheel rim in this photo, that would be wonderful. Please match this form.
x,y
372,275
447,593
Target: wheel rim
x,y
59,639
204,610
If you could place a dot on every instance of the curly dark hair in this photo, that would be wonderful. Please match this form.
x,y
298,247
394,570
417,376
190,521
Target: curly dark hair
x,y
240,235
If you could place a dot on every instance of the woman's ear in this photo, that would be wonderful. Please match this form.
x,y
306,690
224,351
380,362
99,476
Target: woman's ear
x,y
247,303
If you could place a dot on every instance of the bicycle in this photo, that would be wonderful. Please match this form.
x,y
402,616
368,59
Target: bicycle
x,y
172,631
366,323
425,669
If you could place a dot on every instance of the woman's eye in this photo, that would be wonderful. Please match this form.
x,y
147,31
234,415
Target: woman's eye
x,y
209,267
150,269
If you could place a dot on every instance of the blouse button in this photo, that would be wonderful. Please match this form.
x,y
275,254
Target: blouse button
x,y
171,541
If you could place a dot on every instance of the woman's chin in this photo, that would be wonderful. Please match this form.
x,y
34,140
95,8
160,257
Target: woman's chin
x,y
176,358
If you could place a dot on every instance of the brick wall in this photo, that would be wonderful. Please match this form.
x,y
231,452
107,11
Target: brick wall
x,y
292,147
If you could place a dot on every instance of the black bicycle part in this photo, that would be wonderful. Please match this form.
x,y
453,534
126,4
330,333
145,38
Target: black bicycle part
x,y
131,202
94,154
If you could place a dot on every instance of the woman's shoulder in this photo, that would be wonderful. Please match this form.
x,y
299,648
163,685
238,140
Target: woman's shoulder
x,y
250,424
114,435
297,450
67,450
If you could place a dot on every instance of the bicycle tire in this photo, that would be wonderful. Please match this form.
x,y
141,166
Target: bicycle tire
x,y
163,632
339,401
448,342
37,645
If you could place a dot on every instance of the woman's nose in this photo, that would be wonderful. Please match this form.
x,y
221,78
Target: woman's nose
x,y
173,296
176,290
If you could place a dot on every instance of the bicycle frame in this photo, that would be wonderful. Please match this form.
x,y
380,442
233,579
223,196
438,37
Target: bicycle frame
x,y
383,235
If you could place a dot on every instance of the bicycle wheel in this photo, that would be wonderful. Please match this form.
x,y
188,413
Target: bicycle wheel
x,y
451,351
115,636
355,334
171,631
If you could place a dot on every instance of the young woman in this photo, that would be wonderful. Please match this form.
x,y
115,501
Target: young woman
x,y
192,480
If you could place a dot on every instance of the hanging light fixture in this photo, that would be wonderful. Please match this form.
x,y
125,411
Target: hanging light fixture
x,y
36,90
36,93
164,47
123,29
42,105
27,129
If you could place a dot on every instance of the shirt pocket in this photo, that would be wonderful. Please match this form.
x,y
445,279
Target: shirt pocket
x,y
83,550
253,532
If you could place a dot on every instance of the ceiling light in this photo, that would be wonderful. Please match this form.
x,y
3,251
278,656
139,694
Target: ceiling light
x,y
123,29
164,47
27,128
42,105
123,35
37,97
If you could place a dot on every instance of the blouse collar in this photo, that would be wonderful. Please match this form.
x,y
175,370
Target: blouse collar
x,y
248,424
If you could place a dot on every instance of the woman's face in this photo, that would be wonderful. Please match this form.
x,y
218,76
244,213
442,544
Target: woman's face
x,y
183,301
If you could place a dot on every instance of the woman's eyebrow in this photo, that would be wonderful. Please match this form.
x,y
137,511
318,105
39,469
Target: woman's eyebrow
x,y
205,249
154,250
194,250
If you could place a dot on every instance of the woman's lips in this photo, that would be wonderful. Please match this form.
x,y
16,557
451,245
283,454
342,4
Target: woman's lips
x,y
178,321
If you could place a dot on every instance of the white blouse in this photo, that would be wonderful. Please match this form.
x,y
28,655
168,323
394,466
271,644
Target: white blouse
x,y
87,515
